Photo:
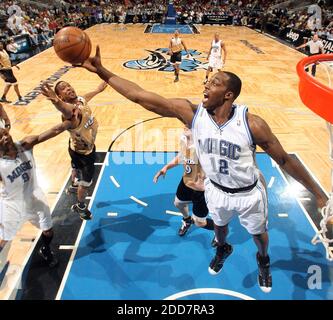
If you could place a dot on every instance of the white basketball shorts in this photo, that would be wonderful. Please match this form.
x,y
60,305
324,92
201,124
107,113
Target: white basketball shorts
x,y
13,214
250,206
215,62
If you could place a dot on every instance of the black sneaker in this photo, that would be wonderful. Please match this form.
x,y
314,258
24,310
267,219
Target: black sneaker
x,y
264,276
84,213
4,100
186,224
176,79
222,253
48,256
214,243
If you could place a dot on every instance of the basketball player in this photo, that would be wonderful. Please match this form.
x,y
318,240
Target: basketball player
x,y
21,199
191,186
215,55
7,74
4,120
316,47
175,50
225,136
83,131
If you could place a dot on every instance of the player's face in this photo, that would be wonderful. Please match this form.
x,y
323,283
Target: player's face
x,y
215,91
66,91
5,139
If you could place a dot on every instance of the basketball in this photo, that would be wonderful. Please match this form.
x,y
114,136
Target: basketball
x,y
72,45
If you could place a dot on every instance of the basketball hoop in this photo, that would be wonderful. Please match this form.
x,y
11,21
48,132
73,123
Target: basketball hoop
x,y
319,98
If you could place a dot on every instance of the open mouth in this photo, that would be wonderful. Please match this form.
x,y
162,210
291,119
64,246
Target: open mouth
x,y
205,97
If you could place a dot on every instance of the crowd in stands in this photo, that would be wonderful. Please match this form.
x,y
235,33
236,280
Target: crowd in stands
x,y
41,22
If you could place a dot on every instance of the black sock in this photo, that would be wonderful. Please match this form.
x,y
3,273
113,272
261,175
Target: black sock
x,y
209,225
82,205
263,260
46,240
188,219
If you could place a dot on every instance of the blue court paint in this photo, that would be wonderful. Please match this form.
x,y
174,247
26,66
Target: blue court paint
x,y
138,254
169,28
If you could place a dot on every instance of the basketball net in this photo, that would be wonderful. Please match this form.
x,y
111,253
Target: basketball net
x,y
327,211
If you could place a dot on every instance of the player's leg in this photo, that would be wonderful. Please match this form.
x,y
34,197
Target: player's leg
x,y
218,205
182,200
5,91
38,213
200,211
17,90
209,70
314,69
254,219
86,172
178,60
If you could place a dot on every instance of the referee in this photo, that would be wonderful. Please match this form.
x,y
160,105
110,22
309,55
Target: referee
x,y
316,47
7,74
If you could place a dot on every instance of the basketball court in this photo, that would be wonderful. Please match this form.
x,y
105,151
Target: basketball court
x,y
131,250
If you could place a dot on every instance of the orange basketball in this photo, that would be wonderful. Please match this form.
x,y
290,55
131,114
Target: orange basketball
x,y
72,45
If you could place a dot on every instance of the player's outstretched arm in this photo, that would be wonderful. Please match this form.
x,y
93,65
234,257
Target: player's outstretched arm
x,y
264,138
65,108
30,141
173,163
98,90
175,108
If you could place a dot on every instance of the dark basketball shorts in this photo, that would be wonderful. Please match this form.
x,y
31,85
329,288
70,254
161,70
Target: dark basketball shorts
x,y
186,194
176,57
84,165
8,76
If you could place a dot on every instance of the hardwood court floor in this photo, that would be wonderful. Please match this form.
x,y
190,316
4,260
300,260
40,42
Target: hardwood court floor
x,y
269,89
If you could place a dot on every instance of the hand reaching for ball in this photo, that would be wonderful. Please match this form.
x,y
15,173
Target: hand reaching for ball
x,y
92,64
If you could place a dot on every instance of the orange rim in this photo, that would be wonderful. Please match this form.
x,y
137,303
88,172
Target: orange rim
x,y
315,95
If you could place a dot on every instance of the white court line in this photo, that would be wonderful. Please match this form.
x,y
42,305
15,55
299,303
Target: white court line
x,y
191,292
274,165
271,181
115,182
174,213
302,207
139,201
11,295
65,247
304,199
112,214
283,215
76,245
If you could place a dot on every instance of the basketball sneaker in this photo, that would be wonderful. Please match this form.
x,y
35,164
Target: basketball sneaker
x,y
84,213
176,79
48,256
186,224
264,276
222,253
4,99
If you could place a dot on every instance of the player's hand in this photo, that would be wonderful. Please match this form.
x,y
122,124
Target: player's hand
x,y
48,92
92,64
162,172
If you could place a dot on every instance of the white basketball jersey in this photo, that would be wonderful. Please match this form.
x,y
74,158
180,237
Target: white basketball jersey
x,y
18,176
216,48
227,152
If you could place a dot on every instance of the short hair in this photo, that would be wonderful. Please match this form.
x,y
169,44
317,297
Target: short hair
x,y
234,83
56,90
